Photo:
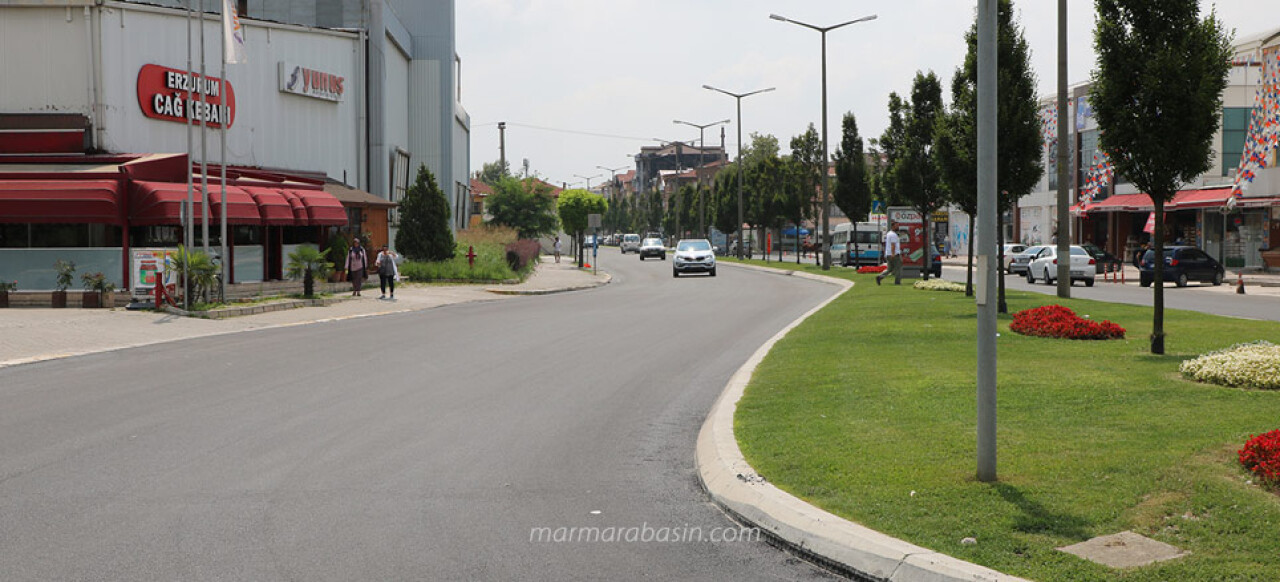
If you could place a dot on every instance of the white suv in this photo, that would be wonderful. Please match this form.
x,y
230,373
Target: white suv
x,y
694,255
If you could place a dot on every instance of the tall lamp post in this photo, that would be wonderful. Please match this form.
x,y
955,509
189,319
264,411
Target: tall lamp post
x,y
702,203
613,177
741,174
826,198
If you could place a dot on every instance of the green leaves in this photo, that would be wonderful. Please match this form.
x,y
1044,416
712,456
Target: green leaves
x,y
525,205
424,233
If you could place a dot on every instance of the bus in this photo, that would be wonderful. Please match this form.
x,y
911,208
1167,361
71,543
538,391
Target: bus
x,y
862,248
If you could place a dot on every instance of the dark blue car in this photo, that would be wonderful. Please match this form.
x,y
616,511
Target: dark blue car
x,y
1181,265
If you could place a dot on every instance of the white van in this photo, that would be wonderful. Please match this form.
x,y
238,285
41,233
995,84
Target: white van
x,y
630,243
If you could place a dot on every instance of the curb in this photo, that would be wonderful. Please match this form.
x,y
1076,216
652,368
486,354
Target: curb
x,y
827,539
500,291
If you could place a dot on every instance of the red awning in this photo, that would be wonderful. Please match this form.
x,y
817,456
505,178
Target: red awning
x,y
1246,202
1122,203
1192,199
273,206
60,201
322,208
152,203
300,217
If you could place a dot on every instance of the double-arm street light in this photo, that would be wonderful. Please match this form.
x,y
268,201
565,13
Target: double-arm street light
x,y
588,179
613,177
826,198
741,174
702,203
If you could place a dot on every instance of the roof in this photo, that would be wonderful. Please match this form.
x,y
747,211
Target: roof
x,y
480,188
627,177
349,196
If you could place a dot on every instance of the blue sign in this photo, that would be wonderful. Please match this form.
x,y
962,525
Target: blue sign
x,y
877,207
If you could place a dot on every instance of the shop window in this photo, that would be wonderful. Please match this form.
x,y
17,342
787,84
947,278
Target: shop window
x,y
296,235
247,235
74,235
14,236
1235,127
155,236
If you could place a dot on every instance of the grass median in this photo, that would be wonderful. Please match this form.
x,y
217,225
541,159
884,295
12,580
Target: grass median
x,y
868,411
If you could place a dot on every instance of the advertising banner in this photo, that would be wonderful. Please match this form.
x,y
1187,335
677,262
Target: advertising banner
x,y
148,265
911,235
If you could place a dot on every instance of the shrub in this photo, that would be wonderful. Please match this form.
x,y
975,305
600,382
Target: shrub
x,y
521,253
1248,365
97,282
938,285
424,233
7,286
872,269
1261,456
1057,321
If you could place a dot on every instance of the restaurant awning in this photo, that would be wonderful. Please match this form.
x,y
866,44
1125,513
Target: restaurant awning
x,y
274,208
1183,200
1121,203
322,208
154,203
59,201
299,209
1207,198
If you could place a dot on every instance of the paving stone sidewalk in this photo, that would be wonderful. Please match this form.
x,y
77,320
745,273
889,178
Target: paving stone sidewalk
x,y
35,334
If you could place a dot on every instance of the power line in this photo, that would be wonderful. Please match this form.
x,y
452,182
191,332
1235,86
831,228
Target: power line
x,y
570,131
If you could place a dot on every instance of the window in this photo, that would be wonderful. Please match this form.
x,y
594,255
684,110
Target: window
x,y
457,77
1235,126
399,183
14,236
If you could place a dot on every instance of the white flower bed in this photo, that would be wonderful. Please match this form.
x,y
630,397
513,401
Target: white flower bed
x,y
1251,365
938,285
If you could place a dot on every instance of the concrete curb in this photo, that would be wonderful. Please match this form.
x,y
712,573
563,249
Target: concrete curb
x,y
826,538
608,278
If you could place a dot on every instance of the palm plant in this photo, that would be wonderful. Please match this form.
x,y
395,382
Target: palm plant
x,y
198,268
308,262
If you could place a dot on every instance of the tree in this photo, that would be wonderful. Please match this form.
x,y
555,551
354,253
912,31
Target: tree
x,y
724,206
308,263
1157,96
525,205
1019,161
424,233
493,173
914,173
574,206
806,151
852,193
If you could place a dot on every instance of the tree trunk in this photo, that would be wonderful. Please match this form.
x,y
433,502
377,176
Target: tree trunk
x,y
968,282
928,244
308,284
1157,235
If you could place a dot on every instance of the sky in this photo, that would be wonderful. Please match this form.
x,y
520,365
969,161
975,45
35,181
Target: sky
x,y
582,83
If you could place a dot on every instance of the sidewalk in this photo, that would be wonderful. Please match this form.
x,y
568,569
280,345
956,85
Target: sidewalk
x,y
32,335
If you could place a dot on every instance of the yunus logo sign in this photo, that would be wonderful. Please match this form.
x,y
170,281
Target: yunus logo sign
x,y
162,94
300,80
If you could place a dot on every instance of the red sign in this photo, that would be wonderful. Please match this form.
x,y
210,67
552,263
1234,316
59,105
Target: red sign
x,y
162,94
911,235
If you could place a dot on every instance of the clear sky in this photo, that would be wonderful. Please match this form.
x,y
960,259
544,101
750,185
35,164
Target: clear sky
x,y
583,83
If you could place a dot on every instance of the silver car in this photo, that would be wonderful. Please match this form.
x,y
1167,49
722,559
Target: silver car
x,y
1018,263
652,247
694,256
630,243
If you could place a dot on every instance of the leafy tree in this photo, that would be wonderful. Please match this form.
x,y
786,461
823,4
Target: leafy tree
x,y
574,207
493,172
525,205
1019,164
806,151
852,193
914,173
307,263
1157,95
424,233
724,196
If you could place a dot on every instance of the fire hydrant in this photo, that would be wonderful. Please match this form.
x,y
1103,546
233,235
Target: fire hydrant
x,y
471,256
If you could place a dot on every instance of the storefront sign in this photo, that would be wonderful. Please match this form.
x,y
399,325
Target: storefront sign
x,y
162,94
911,235
300,80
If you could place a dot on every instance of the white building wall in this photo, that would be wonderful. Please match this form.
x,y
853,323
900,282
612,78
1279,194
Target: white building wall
x,y
44,53
271,128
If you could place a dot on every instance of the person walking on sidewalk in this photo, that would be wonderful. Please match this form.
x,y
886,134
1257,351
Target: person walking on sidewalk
x,y
357,262
388,272
892,256
557,249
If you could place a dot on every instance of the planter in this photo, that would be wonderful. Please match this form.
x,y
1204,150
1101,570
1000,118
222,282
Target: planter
x,y
91,300
4,299
58,299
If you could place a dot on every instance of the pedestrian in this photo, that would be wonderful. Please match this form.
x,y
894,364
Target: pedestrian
x,y
388,272
357,261
893,257
557,249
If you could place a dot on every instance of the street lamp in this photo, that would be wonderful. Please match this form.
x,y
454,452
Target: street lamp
x,y
588,179
613,177
738,97
702,146
826,199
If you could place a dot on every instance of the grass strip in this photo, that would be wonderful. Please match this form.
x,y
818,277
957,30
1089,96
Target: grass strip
x,y
868,409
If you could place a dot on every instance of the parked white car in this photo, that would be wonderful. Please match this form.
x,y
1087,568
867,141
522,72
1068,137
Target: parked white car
x,y
1018,263
693,255
1044,266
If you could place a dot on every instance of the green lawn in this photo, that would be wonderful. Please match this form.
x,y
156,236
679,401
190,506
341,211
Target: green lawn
x,y
873,398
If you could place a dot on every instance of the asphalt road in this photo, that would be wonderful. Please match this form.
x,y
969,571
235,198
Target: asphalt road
x,y
423,446
1202,297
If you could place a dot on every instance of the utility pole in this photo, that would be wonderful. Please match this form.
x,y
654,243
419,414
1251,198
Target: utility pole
x,y
987,255
502,146
702,148
1064,160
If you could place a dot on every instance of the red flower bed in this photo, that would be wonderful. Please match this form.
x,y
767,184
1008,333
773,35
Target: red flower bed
x,y
1261,456
872,269
1061,322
